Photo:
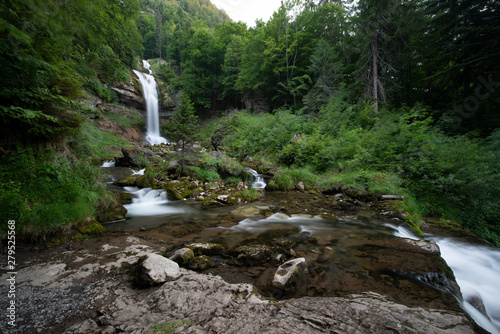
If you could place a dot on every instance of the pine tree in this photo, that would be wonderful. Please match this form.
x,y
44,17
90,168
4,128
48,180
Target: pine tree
x,y
184,125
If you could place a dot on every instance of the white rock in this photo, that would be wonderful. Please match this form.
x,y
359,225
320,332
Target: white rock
x,y
287,270
158,269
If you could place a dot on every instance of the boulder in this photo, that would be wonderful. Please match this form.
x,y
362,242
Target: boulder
x,y
183,256
289,274
155,269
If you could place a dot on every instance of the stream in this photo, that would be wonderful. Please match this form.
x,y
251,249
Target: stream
x,y
336,245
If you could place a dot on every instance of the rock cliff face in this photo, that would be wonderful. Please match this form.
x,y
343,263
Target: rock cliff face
x,y
129,95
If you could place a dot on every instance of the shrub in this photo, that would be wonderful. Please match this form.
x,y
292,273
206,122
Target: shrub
x,y
44,194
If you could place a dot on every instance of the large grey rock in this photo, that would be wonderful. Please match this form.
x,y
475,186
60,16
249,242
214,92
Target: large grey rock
x,y
213,306
157,269
289,273
129,96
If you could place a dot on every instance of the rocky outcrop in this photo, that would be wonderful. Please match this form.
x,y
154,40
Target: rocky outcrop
x,y
129,95
137,156
208,304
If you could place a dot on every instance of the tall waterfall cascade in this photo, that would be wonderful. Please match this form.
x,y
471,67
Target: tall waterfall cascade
x,y
150,91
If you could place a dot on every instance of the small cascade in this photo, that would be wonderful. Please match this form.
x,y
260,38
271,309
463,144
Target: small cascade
x,y
149,202
257,181
150,91
477,272
108,164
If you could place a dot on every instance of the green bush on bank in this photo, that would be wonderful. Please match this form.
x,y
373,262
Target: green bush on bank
x,y
44,194
392,151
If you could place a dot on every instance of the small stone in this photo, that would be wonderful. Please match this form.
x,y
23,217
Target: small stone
x,y
300,186
289,273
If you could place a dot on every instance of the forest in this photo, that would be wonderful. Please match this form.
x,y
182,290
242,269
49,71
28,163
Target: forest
x,y
388,96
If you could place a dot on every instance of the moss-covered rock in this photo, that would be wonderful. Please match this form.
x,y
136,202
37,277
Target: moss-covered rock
x,y
201,262
206,248
210,202
178,190
183,256
54,242
130,181
95,229
110,210
252,254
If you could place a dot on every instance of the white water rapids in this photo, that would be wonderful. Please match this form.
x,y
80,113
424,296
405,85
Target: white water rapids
x,y
150,91
477,271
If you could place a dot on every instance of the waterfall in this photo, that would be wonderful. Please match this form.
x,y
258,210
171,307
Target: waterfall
x,y
258,181
150,91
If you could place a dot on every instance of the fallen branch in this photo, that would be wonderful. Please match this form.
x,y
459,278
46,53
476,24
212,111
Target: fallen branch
x,y
393,197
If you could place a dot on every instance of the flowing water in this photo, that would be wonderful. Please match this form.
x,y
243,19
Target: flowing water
x,y
258,180
333,243
150,91
477,270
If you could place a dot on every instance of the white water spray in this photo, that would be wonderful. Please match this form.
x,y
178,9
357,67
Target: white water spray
x,y
258,180
149,202
150,91
477,272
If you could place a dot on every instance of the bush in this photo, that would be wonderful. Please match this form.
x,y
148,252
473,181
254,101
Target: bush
x,y
44,194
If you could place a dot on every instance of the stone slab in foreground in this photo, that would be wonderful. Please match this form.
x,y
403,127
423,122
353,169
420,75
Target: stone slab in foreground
x,y
210,305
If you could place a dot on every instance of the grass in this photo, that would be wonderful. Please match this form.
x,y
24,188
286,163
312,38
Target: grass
x,y
93,142
169,327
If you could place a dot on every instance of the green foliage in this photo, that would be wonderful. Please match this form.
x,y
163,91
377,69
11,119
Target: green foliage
x,y
91,141
204,174
390,152
169,327
184,122
43,193
52,50
249,195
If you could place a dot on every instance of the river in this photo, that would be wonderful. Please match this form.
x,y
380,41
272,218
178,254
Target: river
x,y
337,246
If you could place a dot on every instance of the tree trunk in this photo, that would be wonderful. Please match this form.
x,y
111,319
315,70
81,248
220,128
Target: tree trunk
x,y
375,68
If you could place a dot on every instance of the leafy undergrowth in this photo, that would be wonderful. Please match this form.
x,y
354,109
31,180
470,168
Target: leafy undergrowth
x,y
397,152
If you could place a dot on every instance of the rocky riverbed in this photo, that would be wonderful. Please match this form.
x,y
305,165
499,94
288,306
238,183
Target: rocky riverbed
x,y
353,280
